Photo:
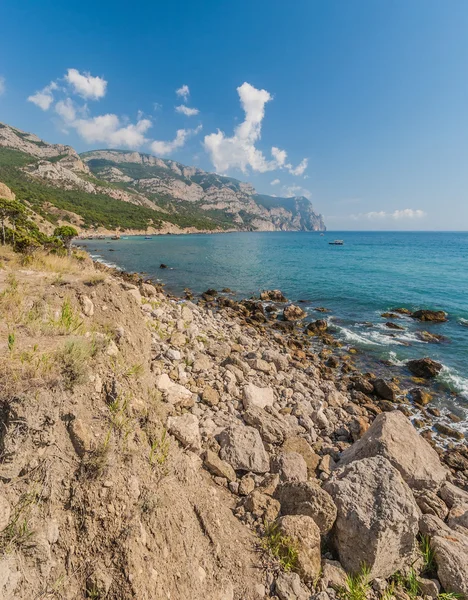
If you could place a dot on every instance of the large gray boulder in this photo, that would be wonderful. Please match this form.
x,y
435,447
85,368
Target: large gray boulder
x,y
243,449
393,436
272,428
307,498
377,520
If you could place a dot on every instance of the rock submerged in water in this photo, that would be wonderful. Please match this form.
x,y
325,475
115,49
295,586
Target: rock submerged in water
x,y
436,316
317,327
424,367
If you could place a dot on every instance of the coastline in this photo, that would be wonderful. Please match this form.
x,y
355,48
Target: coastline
x,y
325,350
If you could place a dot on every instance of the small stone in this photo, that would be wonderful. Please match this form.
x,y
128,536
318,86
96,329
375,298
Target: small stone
x,y
87,305
304,535
262,506
246,485
210,396
172,354
288,586
290,466
186,429
219,467
256,396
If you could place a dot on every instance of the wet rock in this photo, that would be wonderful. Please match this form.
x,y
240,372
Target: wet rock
x,y
293,313
305,537
307,498
218,467
317,327
377,518
210,295
273,296
424,367
392,435
436,316
391,325
163,266
420,396
290,466
257,396
401,311
288,586
361,384
243,449
444,429
187,430
431,338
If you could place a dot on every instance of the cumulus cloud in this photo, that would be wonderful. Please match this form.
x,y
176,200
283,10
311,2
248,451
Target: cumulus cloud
x,y
185,110
301,167
275,182
66,109
239,151
2,85
44,98
163,148
296,190
183,92
85,85
406,213
110,130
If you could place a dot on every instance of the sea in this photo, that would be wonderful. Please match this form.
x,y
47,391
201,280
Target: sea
x,y
371,273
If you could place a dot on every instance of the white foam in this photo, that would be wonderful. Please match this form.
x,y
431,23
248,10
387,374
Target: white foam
x,y
454,381
463,322
106,263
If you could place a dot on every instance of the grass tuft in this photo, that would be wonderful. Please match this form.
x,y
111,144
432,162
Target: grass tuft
x,y
357,586
73,361
280,546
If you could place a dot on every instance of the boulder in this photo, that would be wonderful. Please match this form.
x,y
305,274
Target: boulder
x,y
304,536
87,305
293,313
218,467
451,556
288,586
377,517
385,389
272,428
257,396
295,443
420,396
451,494
290,466
307,498
243,449
393,436
430,504
458,516
424,367
436,316
333,576
317,327
273,296
186,429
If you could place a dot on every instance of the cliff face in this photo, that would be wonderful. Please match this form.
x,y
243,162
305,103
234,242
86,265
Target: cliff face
x,y
98,182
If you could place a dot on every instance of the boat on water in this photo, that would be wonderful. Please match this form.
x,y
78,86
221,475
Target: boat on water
x,y
336,243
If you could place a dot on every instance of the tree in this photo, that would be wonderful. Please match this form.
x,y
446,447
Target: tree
x,y
66,233
11,210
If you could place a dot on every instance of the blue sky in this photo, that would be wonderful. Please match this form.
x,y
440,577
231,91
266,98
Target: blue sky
x,y
360,105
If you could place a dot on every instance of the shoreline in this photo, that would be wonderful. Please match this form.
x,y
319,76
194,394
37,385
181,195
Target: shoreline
x,y
431,422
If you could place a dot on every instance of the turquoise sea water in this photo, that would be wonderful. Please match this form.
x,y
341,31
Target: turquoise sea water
x,y
372,273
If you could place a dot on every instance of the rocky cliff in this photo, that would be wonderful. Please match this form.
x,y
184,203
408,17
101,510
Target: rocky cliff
x,y
161,191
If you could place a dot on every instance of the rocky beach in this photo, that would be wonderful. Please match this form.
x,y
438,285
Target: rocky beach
x,y
206,449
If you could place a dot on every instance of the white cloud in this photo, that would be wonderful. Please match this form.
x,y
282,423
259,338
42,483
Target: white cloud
x,y
66,109
296,190
163,148
109,130
406,213
2,85
44,98
239,151
301,167
185,110
275,182
85,85
183,92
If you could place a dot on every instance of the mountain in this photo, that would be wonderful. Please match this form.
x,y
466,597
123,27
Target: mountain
x,y
110,189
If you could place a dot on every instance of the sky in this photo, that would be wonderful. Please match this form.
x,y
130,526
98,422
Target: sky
x,y
360,105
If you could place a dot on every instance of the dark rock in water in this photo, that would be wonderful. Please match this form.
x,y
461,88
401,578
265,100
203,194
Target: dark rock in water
x,y
162,266
391,325
273,296
390,315
322,309
431,338
333,362
188,293
271,308
385,389
448,431
361,384
401,311
317,327
209,295
436,316
424,367
293,313
420,396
